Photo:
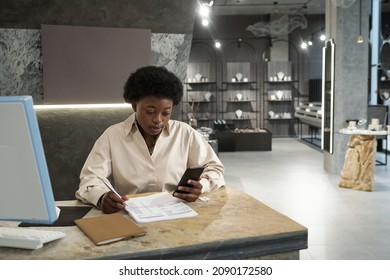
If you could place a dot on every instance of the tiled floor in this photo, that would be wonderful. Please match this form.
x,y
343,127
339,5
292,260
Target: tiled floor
x,y
343,224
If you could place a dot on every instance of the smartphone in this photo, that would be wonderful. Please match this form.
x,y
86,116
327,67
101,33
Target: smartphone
x,y
191,173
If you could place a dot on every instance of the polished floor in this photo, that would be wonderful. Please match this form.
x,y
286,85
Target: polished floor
x,y
343,224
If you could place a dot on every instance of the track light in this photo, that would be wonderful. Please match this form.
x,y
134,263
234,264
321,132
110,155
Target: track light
x,y
208,3
204,11
310,41
217,44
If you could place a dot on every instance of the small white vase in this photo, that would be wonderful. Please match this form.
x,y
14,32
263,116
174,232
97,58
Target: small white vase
x,y
238,113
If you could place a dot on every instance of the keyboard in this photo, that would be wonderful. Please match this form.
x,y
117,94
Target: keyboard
x,y
26,238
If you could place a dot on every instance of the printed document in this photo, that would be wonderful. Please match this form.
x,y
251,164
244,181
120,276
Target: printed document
x,y
158,207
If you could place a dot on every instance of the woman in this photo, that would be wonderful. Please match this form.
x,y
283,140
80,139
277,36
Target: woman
x,y
148,152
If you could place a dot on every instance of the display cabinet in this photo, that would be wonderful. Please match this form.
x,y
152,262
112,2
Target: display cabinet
x,y
384,66
200,104
310,114
239,96
200,100
280,97
383,85
239,105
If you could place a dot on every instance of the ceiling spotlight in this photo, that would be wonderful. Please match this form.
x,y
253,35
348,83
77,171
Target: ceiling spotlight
x,y
208,3
310,42
205,22
304,45
322,37
204,11
239,43
217,44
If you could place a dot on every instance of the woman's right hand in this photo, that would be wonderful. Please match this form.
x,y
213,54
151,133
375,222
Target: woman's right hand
x,y
111,203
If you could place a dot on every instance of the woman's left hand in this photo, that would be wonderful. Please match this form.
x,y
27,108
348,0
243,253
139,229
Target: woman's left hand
x,y
193,192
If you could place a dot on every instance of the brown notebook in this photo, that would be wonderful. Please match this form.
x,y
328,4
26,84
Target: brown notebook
x,y
109,228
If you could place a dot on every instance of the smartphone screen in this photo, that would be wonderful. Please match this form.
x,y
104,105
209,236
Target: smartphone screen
x,y
192,173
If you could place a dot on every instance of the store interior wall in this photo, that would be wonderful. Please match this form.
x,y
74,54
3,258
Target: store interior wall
x,y
173,24
170,21
163,16
230,29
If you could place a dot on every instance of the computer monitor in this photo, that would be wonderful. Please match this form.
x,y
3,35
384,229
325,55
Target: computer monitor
x,y
26,193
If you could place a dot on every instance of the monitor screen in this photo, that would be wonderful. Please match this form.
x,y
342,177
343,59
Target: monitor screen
x,y
26,194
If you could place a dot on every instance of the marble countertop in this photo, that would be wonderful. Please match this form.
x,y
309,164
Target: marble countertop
x,y
231,225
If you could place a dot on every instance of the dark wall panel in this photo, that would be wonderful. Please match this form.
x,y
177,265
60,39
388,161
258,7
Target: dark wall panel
x,y
84,64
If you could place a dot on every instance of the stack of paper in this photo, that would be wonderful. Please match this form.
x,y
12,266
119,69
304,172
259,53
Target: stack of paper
x,y
158,207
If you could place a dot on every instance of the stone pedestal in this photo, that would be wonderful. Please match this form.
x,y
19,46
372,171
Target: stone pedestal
x,y
359,163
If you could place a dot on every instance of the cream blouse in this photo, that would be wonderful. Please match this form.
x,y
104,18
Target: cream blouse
x,y
122,155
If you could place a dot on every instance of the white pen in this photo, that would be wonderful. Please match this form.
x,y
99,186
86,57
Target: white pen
x,y
108,184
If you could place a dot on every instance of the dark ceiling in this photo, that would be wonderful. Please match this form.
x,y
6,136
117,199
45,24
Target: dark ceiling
x,y
256,7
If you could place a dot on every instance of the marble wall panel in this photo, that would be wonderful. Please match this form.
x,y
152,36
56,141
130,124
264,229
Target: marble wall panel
x,y
172,51
21,63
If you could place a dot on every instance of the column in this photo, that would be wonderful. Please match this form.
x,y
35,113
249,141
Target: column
x,y
351,73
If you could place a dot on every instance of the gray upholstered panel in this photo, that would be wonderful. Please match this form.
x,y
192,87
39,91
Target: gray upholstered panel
x,y
68,136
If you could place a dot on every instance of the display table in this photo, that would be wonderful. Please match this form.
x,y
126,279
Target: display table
x,y
359,164
245,141
231,225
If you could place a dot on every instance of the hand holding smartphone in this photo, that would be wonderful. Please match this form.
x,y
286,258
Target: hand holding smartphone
x,y
191,173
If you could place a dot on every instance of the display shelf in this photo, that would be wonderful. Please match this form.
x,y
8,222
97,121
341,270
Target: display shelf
x,y
199,83
200,99
281,82
240,119
280,119
238,95
280,97
240,83
282,100
201,105
240,101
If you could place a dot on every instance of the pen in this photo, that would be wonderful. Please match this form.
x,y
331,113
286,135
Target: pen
x,y
108,184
